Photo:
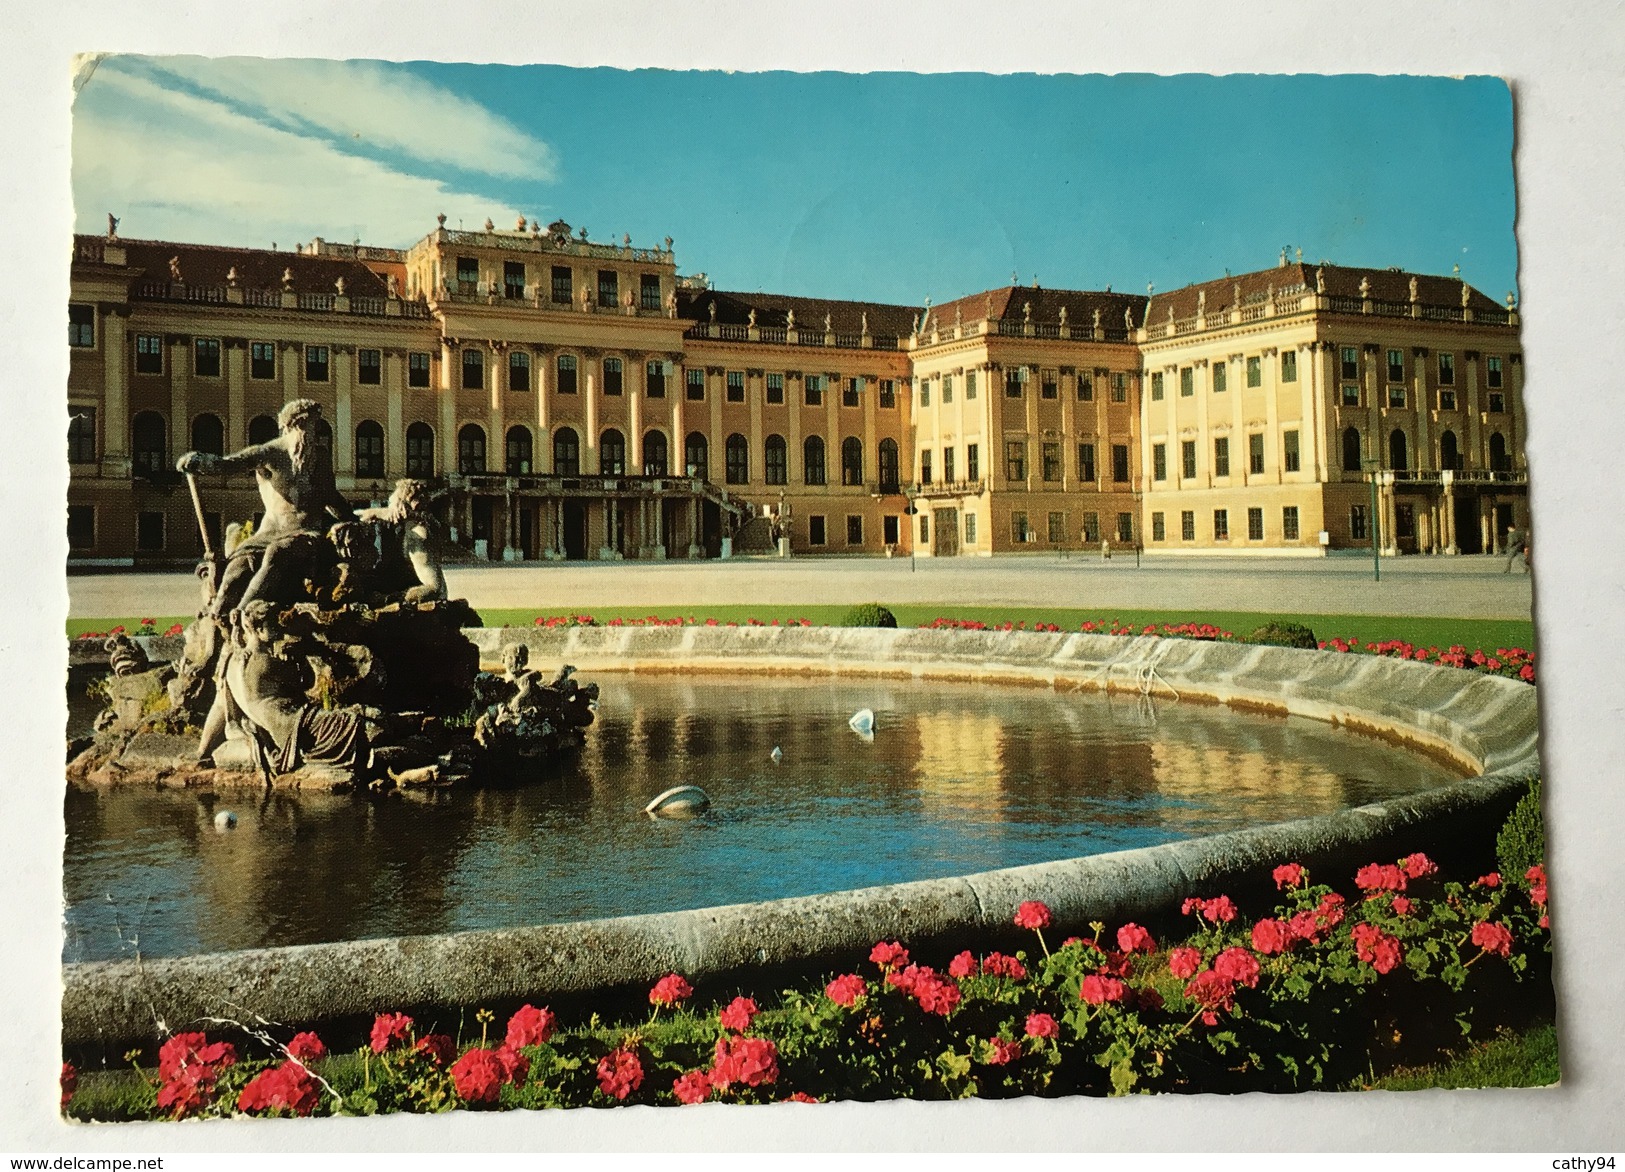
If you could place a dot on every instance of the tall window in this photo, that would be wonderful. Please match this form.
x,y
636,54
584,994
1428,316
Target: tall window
x,y
369,367
1398,451
813,390
1057,527
655,376
775,389
1086,463
1289,371
149,530
316,364
1015,460
518,453
812,454
369,450
1187,382
1255,371
518,370
1159,527
1119,387
1349,362
1289,451
1492,374
852,461
612,453
697,455
1351,449
1500,458
1255,524
81,526
973,461
1449,452
970,393
696,383
1014,379
1396,366
1120,463
81,325
1351,394
649,291
851,393
1159,461
888,392
736,386
149,443
468,274
206,357
1357,522
209,435
888,465
1220,376
473,370
567,374
566,452
1051,462
654,453
815,530
925,466
1255,453
1289,522
1048,386
1221,524
1019,533
1447,398
1187,459
563,285
1156,386
736,460
262,429
613,376
925,391
1085,388
417,370
970,529
1187,525
149,354
854,529
513,280
948,453
81,435
1125,527
1396,396
1221,456
609,290
777,454
471,449
420,450
1447,370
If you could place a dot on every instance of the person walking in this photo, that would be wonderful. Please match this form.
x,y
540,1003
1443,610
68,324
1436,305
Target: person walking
x,y
1517,544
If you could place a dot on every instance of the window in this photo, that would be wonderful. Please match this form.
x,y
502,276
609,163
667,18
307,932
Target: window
x,y
1086,463
1351,395
81,326
851,392
1492,375
1085,388
654,453
149,354
369,450
513,280
970,384
614,376
1120,463
471,449
369,367
1447,370
1052,462
1255,372
518,370
468,274
262,429
1396,366
888,391
852,461
81,435
1255,524
563,285
609,289
1500,458
947,388
317,364
1187,382
694,381
209,435
1159,461
948,465
1187,525
1447,399
1159,527
1289,522
1449,452
1221,456
1349,365
1357,528
1048,387
697,455
149,531
1156,386
566,366
925,528
815,530
1057,527
1221,524
970,528
612,453
149,443
655,378
518,451
925,392
812,455
649,291
813,390
1220,376
1125,527
736,460
1351,449
1014,378
1396,397
420,451
206,357
1289,366
1019,533
736,386
925,466
1289,451
1398,451
566,452
775,389
854,530
973,461
778,459
1187,459
1119,387
889,465
417,370
1255,453
81,526
1497,403
473,370
1015,460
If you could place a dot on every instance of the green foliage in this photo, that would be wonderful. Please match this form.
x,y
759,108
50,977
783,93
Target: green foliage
x,y
1285,634
869,614
1509,1060
1522,841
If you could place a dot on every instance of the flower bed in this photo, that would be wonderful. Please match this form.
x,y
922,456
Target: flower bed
x,y
1304,996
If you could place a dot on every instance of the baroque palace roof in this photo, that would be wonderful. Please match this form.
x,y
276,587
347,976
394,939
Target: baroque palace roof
x,y
1386,285
257,268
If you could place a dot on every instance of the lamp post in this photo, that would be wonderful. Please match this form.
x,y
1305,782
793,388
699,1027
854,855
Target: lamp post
x,y
1372,468
911,510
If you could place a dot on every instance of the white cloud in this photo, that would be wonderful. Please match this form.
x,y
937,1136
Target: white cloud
x,y
175,165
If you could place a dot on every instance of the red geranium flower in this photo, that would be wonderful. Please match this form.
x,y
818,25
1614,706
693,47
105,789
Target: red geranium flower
x,y
478,1076
619,1073
1212,990
288,1087
1537,885
963,965
192,1051
1375,878
1238,965
1418,866
69,1082
752,1062
999,965
1378,949
802,1096
892,955
306,1047
693,1087
1493,938
1492,880
1001,1052
1133,938
738,1014
1401,906
439,1047
1042,1025
846,990
389,1028
669,990
1287,875
936,995
1183,962
1033,914
1098,990
530,1026
1271,937
1218,910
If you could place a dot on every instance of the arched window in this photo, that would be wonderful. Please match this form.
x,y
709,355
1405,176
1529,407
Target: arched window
x,y
420,451
697,456
324,437
813,456
262,429
519,451
1398,451
612,453
889,474
1500,460
852,461
1351,449
566,452
654,453
149,443
208,435
369,450
471,449
1449,453
737,458
778,459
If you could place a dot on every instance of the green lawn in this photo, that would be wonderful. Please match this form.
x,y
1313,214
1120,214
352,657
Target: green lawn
x,y
1511,1060
1486,633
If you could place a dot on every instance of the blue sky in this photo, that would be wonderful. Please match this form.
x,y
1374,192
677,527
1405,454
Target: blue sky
x,y
884,186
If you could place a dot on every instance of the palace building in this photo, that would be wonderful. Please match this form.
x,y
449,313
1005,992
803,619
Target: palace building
x,y
584,400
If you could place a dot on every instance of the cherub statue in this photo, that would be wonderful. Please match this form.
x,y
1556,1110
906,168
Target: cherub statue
x,y
174,268
418,533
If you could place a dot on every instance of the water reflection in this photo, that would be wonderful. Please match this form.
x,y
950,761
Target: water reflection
x,y
958,778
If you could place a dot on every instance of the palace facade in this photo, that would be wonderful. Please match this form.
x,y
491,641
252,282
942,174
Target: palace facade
x,y
583,400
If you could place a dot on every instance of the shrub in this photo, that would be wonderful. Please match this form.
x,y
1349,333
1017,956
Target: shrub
x,y
1522,841
870,614
1285,635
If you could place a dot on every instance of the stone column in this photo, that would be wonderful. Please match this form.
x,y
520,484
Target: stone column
x,y
541,459
871,444
115,394
1309,445
591,365
1199,388
755,394
794,396
236,355
450,377
496,416
292,358
635,385
394,414
1272,415
716,390
180,416
343,413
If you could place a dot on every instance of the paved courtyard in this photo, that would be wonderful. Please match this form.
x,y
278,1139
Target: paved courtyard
x,y
1460,587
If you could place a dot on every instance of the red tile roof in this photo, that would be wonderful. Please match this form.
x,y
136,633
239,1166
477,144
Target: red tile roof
x,y
772,309
1012,301
257,268
1340,281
